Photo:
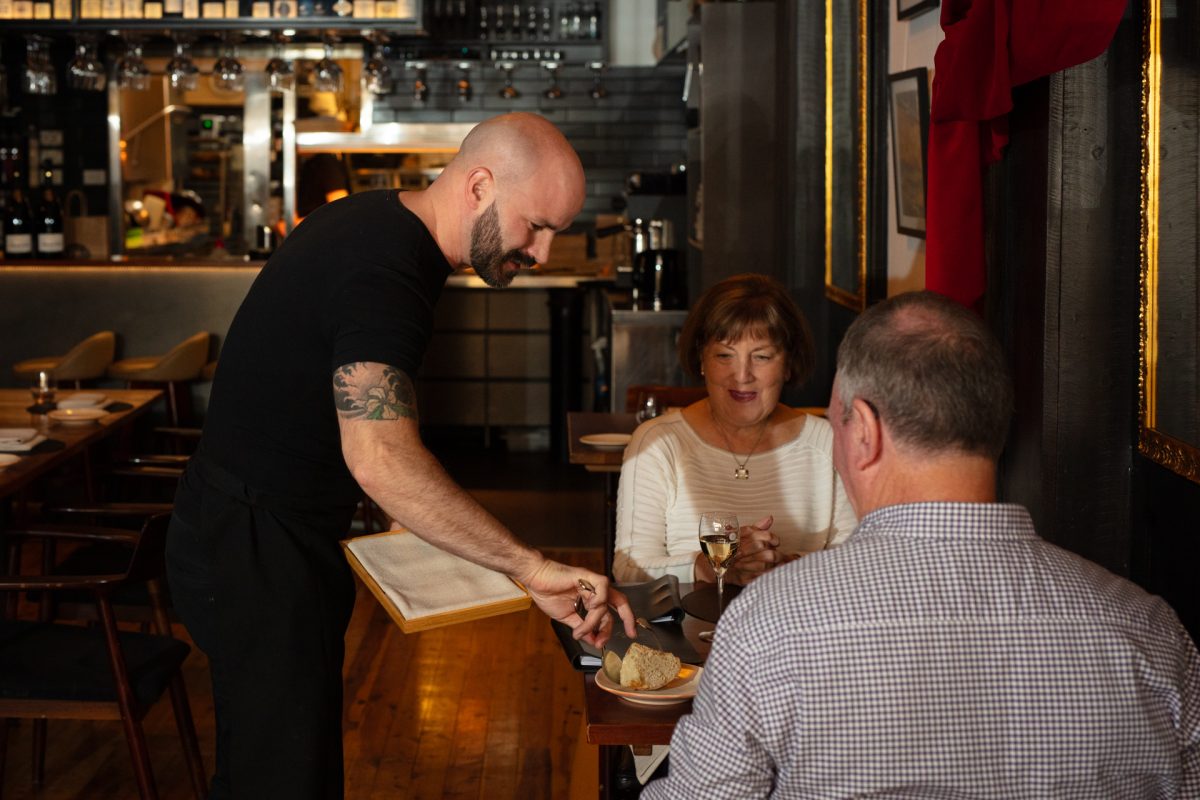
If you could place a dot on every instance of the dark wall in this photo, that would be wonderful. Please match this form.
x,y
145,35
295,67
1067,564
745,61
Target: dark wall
x,y
1064,213
639,126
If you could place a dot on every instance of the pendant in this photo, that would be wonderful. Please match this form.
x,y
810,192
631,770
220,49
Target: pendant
x,y
741,473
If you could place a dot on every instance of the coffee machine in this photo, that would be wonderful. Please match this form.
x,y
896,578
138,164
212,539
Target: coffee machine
x,y
659,280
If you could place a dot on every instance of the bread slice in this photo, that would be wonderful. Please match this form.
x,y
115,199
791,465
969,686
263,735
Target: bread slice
x,y
646,668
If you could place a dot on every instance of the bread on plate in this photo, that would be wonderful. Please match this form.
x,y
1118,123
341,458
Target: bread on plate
x,y
646,668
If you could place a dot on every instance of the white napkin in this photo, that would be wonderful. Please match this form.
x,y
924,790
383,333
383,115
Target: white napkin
x,y
423,580
16,435
21,447
82,400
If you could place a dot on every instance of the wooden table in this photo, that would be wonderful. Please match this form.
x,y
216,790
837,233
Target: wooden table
x,y
603,460
77,438
613,723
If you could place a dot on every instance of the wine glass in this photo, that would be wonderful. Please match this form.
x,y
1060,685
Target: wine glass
x,y
132,72
719,541
377,74
43,388
228,75
508,91
598,92
647,405
85,71
182,73
327,74
554,91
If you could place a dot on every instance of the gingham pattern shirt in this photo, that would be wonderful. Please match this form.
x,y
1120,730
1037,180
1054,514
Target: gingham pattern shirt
x,y
943,651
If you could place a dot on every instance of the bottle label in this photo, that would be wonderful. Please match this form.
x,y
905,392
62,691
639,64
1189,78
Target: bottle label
x,y
23,9
260,9
62,9
173,8
50,243
191,9
132,9
110,9
18,244
213,10
152,9
232,9
42,11
364,9
89,9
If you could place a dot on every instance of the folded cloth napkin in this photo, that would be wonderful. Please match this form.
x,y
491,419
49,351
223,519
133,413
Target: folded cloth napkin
x,y
42,408
422,580
83,400
36,445
118,405
16,435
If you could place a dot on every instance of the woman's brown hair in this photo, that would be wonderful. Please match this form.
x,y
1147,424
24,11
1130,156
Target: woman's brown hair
x,y
747,304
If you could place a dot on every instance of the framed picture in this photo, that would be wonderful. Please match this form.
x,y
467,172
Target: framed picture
x,y
908,94
911,8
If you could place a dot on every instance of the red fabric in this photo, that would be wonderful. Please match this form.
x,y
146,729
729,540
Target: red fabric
x,y
990,47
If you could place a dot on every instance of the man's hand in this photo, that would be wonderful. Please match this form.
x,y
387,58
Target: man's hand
x,y
555,588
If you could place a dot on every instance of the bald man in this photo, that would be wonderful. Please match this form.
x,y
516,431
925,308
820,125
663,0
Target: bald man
x,y
313,405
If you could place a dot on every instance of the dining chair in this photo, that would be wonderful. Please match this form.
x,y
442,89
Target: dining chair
x,y
85,361
60,671
179,366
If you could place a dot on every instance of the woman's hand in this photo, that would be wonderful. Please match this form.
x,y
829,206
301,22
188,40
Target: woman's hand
x,y
758,551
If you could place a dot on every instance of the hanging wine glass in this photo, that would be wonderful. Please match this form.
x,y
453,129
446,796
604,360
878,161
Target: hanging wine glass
x,y
280,74
132,72
377,74
182,73
39,74
326,74
463,87
597,92
554,91
228,75
508,92
85,70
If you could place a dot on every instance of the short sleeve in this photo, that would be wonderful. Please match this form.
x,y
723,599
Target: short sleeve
x,y
381,315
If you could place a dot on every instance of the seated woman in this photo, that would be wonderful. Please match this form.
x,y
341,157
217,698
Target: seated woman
x,y
738,450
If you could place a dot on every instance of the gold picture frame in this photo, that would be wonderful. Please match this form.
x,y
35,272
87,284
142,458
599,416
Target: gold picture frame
x,y
1168,411
847,100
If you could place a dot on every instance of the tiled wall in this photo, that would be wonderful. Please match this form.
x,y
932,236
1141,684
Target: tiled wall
x,y
639,126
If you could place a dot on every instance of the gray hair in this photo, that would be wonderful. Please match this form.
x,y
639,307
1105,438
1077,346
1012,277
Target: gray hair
x,y
932,372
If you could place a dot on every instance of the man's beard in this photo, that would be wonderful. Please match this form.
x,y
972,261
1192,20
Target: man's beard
x,y
488,255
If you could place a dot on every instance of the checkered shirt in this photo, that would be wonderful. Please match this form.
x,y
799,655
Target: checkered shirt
x,y
943,651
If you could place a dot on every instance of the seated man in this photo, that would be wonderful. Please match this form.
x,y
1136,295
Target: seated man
x,y
943,650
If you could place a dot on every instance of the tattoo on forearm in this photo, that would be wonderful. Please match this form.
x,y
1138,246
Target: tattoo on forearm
x,y
373,391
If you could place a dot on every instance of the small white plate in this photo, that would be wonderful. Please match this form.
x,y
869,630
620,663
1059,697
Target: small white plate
x,y
606,441
83,400
681,689
16,435
8,459
77,416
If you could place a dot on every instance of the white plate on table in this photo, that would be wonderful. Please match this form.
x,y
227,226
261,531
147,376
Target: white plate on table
x,y
16,435
606,441
83,400
7,460
681,689
77,416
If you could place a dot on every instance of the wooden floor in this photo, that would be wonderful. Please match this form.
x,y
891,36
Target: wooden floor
x,y
489,709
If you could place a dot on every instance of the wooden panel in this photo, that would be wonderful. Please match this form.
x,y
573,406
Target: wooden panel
x,y
519,404
519,355
451,402
518,310
461,309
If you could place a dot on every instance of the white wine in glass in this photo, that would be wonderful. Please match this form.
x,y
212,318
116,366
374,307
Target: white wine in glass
x,y
719,541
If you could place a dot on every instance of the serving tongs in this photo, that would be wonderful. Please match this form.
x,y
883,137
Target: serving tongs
x,y
641,622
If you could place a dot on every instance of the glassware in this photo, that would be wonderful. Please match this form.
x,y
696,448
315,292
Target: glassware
x,y
43,388
647,406
420,87
132,72
597,92
377,74
39,75
85,70
280,75
719,542
326,74
508,92
463,87
554,91
182,73
228,75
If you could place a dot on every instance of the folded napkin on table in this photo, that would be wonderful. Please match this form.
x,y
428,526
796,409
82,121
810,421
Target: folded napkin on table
x,y
16,435
36,445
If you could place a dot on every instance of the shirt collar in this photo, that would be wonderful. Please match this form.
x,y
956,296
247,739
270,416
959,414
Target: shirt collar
x,y
949,520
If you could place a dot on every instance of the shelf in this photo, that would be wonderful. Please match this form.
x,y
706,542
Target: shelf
x,y
343,26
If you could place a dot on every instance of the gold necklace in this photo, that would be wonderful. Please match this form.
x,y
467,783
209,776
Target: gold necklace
x,y
741,473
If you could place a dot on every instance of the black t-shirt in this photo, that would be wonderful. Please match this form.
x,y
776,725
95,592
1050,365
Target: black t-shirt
x,y
356,281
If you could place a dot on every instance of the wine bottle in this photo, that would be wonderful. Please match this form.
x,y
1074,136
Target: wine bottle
x,y
48,223
18,232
